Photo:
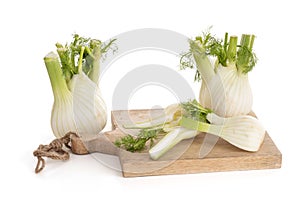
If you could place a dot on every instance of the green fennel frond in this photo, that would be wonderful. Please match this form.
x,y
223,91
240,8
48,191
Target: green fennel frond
x,y
192,109
93,50
139,142
226,50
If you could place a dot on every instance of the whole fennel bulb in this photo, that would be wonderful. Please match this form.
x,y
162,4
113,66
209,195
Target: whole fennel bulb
x,y
78,105
223,67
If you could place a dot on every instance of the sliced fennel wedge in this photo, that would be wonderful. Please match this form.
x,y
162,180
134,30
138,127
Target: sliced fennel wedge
x,y
244,132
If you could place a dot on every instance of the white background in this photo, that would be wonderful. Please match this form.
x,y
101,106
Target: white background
x,y
29,30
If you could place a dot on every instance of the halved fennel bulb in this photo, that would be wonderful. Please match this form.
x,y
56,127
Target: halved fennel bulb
x,y
243,131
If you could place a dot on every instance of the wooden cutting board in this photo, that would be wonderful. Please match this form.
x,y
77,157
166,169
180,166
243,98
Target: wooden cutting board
x,y
184,157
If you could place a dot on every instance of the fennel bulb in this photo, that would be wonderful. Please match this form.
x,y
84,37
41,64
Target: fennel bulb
x,y
224,68
227,93
78,105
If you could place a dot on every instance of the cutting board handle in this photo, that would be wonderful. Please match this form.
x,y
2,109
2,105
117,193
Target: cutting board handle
x,y
102,143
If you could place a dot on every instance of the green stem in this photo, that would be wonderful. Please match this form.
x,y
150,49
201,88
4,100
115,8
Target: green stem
x,y
88,50
225,41
95,73
245,40
203,63
65,61
73,58
73,45
80,60
58,83
201,126
245,53
251,42
231,52
194,125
